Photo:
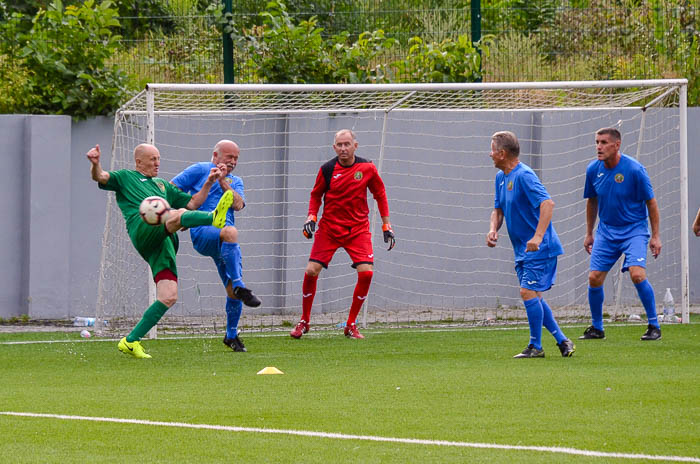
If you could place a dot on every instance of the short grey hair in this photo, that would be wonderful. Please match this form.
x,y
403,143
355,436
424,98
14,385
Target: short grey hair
x,y
508,141
344,131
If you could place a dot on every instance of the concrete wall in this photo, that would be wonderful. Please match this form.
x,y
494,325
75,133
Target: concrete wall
x,y
694,199
13,235
54,214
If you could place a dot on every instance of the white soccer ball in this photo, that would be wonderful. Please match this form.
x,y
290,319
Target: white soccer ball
x,y
154,210
85,333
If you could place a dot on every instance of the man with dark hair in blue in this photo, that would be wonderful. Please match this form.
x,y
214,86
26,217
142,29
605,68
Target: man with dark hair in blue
x,y
222,244
524,203
619,192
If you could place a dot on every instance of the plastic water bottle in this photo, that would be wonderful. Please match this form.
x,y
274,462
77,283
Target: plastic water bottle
x,y
83,321
669,309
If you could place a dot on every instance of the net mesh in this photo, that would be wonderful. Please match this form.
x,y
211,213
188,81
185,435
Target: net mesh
x,y
431,148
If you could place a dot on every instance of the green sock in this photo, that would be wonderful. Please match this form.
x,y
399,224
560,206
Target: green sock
x,y
196,218
149,319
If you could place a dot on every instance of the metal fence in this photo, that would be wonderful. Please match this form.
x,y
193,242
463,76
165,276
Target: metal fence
x,y
535,43
541,40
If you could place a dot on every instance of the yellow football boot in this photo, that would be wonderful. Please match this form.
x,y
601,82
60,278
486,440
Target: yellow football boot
x,y
222,207
134,349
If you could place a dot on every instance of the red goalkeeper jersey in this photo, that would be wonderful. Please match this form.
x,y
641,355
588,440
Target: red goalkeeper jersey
x,y
343,191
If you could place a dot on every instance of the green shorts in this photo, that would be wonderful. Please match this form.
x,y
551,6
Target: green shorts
x,y
155,245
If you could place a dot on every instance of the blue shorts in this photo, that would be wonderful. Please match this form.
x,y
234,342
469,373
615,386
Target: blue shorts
x,y
606,252
538,275
206,240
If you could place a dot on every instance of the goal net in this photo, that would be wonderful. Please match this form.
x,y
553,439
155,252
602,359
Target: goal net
x,y
431,144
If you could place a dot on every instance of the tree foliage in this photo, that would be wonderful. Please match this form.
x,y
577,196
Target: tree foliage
x,y
283,49
59,57
139,16
61,63
448,61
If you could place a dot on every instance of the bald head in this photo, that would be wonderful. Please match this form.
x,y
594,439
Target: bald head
x,y
144,150
226,152
147,159
225,146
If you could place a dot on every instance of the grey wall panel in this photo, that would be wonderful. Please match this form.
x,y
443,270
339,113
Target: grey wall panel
x,y
87,213
14,233
47,143
694,200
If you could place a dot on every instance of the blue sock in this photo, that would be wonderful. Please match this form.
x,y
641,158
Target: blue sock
x,y
233,315
596,296
646,294
535,315
550,323
231,253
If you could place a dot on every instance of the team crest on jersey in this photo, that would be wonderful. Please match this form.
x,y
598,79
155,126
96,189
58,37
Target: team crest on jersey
x,y
619,178
229,180
161,186
358,175
510,185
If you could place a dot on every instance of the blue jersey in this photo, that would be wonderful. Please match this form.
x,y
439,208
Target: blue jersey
x,y
519,195
622,193
193,178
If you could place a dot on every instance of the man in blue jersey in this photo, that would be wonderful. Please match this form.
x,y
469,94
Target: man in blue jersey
x,y
618,191
222,244
524,203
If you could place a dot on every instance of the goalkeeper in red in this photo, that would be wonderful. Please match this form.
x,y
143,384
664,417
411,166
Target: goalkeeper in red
x,y
341,185
157,245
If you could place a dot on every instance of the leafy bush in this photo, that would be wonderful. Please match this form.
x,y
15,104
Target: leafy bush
x,y
332,16
360,62
448,61
139,16
63,60
16,88
281,51
524,16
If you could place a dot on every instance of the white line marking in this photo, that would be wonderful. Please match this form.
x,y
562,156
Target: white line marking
x,y
321,333
340,436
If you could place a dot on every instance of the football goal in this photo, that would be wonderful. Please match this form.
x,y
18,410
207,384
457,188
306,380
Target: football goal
x,y
431,144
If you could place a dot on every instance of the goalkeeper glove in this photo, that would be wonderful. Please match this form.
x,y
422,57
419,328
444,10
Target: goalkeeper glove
x,y
310,227
388,236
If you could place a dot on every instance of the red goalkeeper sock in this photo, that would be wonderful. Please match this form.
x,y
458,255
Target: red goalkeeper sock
x,y
308,291
364,279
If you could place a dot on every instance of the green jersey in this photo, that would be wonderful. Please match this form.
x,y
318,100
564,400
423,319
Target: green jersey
x,y
154,243
132,187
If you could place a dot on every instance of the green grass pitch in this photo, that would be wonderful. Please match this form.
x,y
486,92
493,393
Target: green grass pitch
x,y
619,395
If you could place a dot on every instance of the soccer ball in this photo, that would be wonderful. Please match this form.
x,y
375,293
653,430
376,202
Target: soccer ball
x,y
154,210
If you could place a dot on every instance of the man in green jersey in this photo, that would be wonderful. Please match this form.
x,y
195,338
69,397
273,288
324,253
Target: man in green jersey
x,y
157,245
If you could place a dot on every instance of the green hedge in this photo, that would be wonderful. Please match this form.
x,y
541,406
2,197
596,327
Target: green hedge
x,y
58,66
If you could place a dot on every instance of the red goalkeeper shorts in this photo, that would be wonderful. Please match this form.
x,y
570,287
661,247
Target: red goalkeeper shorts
x,y
357,243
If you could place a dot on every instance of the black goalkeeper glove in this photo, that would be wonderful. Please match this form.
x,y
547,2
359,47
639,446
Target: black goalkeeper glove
x,y
310,227
388,236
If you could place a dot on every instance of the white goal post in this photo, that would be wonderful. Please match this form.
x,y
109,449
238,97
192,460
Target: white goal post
x,y
431,144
